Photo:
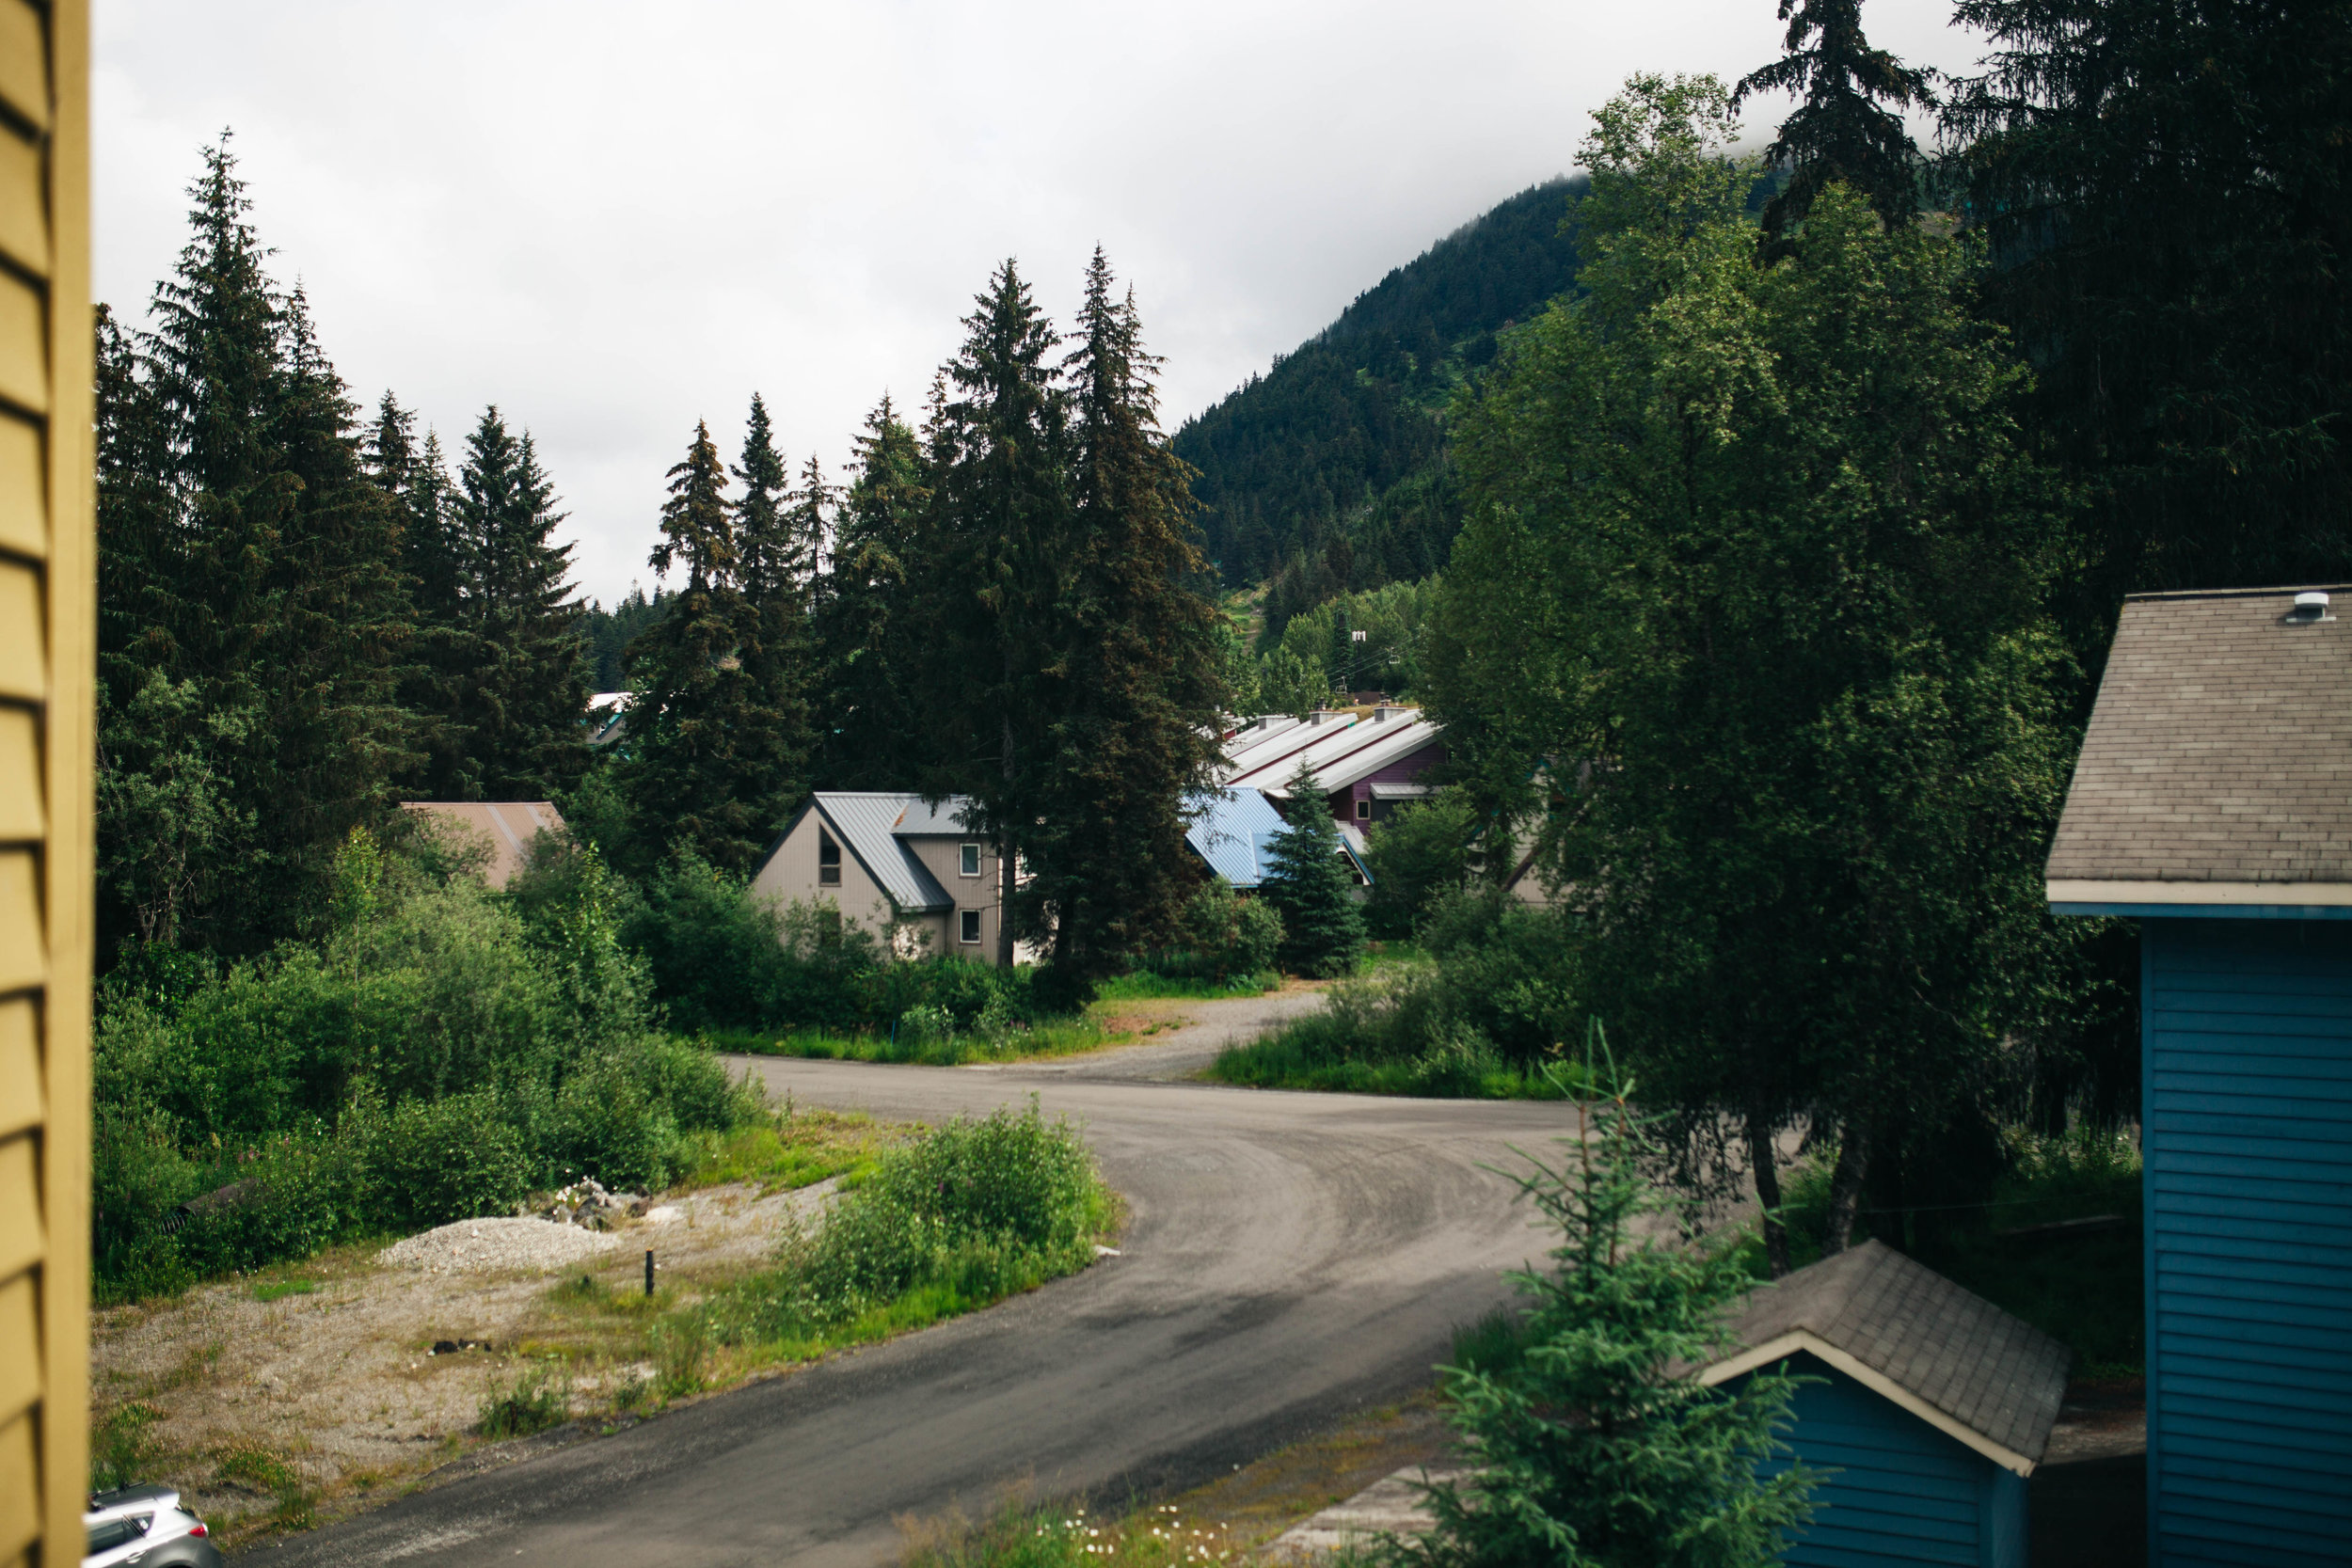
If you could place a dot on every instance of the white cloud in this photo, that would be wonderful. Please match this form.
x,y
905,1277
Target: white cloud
x,y
614,220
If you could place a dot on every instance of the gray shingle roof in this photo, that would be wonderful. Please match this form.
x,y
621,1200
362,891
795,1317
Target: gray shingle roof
x,y
2220,750
873,826
1995,1374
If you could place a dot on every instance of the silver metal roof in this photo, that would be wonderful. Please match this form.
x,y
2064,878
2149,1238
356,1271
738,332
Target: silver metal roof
x,y
1383,742
873,826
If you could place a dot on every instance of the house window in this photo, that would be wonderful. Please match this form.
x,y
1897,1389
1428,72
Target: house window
x,y
968,858
828,860
1363,811
968,925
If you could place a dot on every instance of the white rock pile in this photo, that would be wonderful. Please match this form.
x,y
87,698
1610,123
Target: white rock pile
x,y
489,1245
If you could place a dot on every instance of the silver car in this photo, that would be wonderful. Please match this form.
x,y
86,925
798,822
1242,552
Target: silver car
x,y
145,1525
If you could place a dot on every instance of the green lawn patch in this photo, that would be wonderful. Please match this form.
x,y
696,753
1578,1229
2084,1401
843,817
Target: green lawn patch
x,y
278,1290
1281,1061
1146,986
923,1046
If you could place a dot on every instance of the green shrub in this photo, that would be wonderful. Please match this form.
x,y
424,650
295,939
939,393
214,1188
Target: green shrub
x,y
533,1403
1416,857
1221,934
983,1207
433,1161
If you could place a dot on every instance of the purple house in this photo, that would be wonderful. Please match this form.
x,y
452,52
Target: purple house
x,y
1367,765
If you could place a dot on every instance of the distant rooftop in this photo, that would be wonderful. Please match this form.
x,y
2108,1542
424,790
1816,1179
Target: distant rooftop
x,y
508,826
2217,765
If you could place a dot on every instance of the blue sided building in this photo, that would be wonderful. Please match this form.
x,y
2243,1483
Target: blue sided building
x,y
1932,1407
2213,803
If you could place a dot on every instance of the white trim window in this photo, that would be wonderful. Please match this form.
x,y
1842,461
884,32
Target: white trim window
x,y
967,860
968,927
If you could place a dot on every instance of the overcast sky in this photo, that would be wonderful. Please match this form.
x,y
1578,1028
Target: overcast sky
x,y
612,220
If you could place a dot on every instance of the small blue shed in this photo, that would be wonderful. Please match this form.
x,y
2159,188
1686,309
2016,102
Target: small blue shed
x,y
2212,802
1934,1407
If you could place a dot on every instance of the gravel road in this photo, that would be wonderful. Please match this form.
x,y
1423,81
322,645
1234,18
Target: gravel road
x,y
1289,1258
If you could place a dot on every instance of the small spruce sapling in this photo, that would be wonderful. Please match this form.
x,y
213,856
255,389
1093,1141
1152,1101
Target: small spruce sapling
x,y
1307,882
1599,1447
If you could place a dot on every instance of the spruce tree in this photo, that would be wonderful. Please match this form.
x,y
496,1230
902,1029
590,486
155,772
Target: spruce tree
x,y
249,563
1599,1447
775,552
707,773
996,566
869,736
1848,123
1143,659
1307,880
2163,183
444,652
524,703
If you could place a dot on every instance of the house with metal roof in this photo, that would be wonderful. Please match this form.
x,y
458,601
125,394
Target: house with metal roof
x,y
2213,803
1930,1408
507,827
892,863
1367,765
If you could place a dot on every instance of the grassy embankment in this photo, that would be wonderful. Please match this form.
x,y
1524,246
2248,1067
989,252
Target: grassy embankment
x,y
949,1221
926,1224
1395,1027
936,1040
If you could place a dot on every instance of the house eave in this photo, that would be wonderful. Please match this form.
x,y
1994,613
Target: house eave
x,y
2145,899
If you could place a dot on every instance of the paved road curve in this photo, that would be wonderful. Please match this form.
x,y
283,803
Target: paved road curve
x,y
1288,1257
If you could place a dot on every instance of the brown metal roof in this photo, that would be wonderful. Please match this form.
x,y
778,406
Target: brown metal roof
x,y
1995,1374
508,826
2220,750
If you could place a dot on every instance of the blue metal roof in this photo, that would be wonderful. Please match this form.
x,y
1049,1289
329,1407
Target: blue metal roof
x,y
1234,831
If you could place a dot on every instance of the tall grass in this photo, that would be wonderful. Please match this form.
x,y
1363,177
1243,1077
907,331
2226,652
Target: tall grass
x,y
960,1216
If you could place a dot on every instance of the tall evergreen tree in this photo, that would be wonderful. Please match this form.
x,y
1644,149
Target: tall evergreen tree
x,y
996,568
444,652
2166,186
1143,660
249,563
709,771
775,646
865,618
524,703
1847,124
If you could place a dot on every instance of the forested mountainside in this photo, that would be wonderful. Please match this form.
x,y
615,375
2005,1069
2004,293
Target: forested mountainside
x,y
1327,473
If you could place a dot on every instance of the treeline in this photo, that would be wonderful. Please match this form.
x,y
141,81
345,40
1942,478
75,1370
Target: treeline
x,y
1790,552
309,616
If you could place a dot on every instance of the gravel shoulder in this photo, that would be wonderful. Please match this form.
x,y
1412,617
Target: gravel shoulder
x,y
333,1384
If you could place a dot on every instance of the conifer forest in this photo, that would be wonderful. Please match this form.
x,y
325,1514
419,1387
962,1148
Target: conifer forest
x,y
1752,508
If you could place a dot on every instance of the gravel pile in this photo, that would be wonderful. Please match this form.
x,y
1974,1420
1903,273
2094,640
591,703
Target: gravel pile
x,y
483,1247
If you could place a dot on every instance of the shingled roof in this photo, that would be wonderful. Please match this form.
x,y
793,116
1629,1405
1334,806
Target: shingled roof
x,y
1907,1332
2217,766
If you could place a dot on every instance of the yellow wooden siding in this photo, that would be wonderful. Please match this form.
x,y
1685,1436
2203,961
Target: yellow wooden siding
x,y
24,63
48,577
23,506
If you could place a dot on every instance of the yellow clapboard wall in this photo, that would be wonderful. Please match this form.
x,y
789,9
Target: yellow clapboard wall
x,y
48,616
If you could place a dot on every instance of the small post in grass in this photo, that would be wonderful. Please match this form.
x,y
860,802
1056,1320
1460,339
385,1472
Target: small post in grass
x,y
649,1274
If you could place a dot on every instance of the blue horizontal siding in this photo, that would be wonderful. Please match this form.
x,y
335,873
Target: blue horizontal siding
x,y
2246,1085
1895,1490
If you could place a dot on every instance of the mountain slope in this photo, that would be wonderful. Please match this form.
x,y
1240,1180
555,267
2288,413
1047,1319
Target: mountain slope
x,y
1330,467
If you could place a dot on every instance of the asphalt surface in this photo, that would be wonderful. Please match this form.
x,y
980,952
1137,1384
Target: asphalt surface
x,y
1289,1258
